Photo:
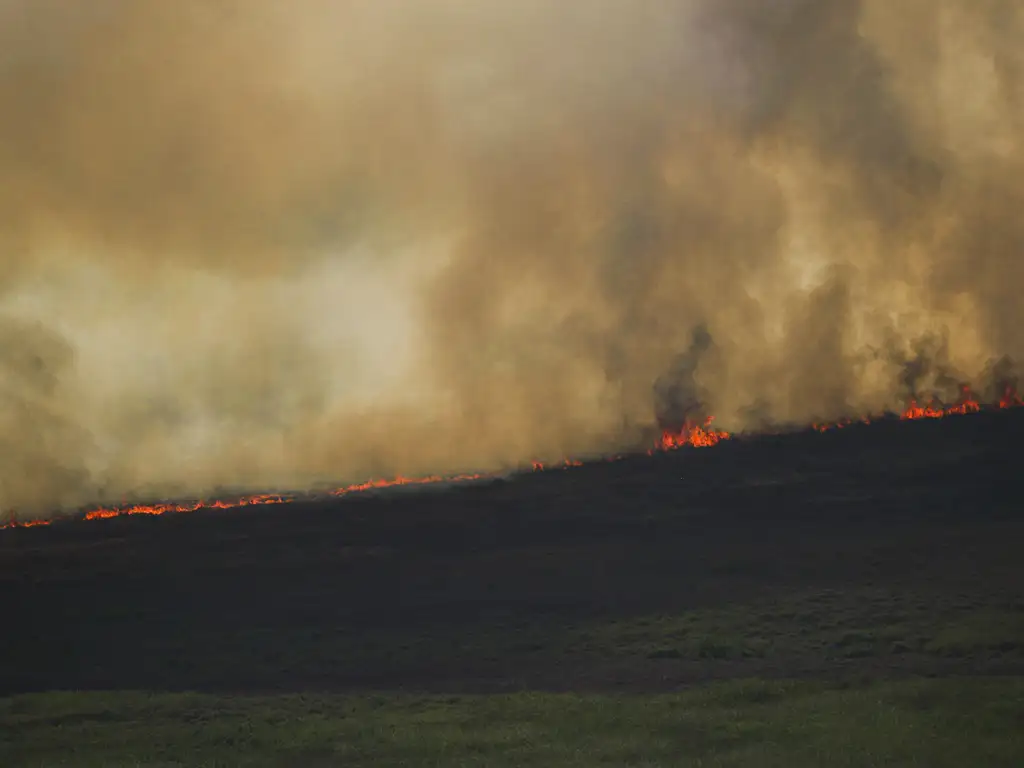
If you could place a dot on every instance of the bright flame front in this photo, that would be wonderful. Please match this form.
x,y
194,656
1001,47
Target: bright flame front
x,y
702,435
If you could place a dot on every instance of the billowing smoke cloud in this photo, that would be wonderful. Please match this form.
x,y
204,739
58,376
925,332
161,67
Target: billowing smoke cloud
x,y
251,243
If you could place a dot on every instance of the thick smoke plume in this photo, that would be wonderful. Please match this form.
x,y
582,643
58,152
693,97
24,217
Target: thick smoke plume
x,y
254,243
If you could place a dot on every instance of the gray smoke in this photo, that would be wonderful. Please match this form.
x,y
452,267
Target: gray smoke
x,y
258,244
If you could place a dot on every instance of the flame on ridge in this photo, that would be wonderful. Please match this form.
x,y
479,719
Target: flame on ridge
x,y
695,435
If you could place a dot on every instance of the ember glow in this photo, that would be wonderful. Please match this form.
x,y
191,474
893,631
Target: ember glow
x,y
702,435
266,498
160,509
371,485
540,466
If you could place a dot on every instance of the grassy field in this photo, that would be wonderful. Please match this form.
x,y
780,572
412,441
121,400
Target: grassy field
x,y
929,723
851,598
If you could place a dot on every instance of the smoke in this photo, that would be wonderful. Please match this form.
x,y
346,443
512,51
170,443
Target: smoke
x,y
249,243
680,398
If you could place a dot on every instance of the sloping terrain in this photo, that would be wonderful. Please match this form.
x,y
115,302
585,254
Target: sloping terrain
x,y
874,551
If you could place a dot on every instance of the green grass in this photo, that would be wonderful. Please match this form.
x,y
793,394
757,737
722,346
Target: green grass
x,y
827,633
824,632
827,625
844,635
933,723
824,625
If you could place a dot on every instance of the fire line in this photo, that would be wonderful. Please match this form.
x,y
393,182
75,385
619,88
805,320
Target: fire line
x,y
702,435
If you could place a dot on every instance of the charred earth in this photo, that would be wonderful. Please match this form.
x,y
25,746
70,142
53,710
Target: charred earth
x,y
875,552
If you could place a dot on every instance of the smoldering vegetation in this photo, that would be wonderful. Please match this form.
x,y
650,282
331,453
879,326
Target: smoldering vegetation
x,y
263,244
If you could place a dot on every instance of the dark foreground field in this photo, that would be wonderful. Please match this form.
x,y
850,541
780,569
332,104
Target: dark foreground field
x,y
853,597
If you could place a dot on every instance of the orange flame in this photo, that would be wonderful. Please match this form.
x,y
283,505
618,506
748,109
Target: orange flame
x,y
13,522
160,509
839,424
934,410
697,435
693,435
540,466
1010,399
396,481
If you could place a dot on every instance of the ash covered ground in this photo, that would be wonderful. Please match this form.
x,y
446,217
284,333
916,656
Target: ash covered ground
x,y
874,551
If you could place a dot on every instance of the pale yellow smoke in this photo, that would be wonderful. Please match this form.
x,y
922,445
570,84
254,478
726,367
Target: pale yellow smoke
x,y
251,243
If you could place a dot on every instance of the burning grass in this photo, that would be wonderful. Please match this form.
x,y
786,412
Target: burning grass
x,y
693,435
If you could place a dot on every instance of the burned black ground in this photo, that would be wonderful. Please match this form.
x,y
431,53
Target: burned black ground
x,y
877,551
